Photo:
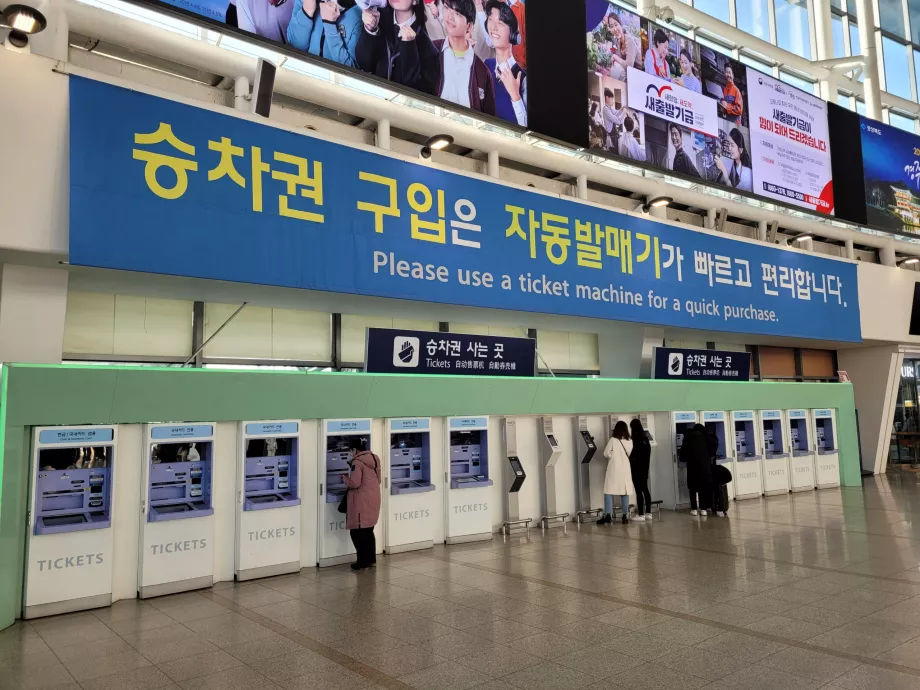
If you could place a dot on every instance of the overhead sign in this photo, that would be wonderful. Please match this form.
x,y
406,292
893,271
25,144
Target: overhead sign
x,y
789,141
701,365
392,351
192,192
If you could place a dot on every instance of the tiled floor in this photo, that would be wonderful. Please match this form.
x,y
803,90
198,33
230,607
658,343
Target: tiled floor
x,y
806,591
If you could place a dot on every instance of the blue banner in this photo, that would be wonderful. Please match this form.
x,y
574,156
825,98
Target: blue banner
x,y
162,187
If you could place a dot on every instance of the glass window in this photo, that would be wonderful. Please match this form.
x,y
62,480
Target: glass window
x,y
913,10
840,49
901,122
793,32
860,107
798,82
844,101
854,39
891,16
756,64
917,68
897,72
754,17
851,7
715,8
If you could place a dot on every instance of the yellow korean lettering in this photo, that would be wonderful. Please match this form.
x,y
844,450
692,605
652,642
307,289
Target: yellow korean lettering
x,y
225,166
379,211
588,248
312,187
516,229
258,167
154,161
420,199
626,261
555,237
650,245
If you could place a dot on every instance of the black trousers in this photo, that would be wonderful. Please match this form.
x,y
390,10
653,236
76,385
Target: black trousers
x,y
705,494
643,495
365,544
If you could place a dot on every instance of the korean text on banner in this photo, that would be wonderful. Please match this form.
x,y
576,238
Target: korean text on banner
x,y
192,192
672,103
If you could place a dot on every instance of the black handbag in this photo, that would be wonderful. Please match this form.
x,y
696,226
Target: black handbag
x,y
343,506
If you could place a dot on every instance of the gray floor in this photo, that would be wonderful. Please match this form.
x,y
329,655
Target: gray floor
x,y
806,591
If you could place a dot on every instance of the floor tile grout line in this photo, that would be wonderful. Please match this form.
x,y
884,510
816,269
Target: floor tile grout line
x,y
372,674
869,661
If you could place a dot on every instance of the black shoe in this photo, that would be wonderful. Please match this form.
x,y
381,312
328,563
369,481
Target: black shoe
x,y
355,566
605,519
625,519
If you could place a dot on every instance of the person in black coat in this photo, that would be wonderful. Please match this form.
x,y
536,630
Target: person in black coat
x,y
394,44
696,453
639,462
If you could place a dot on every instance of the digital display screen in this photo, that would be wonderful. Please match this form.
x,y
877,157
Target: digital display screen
x,y
552,440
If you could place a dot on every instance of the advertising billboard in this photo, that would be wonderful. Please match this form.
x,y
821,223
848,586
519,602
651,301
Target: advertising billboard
x,y
891,169
659,98
192,192
469,52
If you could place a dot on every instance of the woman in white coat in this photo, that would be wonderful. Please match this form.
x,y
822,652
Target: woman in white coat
x,y
618,480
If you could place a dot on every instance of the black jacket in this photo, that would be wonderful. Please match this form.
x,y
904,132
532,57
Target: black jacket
x,y
695,453
415,64
641,457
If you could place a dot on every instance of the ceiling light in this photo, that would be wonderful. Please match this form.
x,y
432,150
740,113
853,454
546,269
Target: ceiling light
x,y
439,141
800,238
23,21
656,202
909,261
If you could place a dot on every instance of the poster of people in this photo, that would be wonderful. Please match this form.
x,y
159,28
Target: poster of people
x,y
469,52
659,98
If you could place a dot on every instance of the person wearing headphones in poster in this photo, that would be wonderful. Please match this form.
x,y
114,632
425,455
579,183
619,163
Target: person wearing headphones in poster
x,y
328,28
465,79
509,77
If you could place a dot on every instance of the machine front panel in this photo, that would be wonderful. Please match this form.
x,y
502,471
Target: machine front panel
x,y
269,537
469,512
177,550
67,566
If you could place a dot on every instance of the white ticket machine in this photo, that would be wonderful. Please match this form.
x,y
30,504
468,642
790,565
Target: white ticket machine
x,y
69,552
268,512
550,452
176,551
748,476
585,450
467,499
775,453
408,492
827,461
716,425
802,460
334,543
681,423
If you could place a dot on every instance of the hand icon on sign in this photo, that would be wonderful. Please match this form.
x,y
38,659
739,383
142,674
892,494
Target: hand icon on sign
x,y
406,351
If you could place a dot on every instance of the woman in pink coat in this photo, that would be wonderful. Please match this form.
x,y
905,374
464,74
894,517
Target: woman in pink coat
x,y
363,502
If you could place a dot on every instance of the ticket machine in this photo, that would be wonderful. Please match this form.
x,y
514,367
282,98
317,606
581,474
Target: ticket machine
x,y
775,453
177,523
334,543
550,453
467,499
268,512
514,477
70,540
585,450
408,492
681,423
748,477
802,460
827,461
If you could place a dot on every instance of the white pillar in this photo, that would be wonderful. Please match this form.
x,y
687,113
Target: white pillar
x,y
824,35
494,165
581,185
710,221
871,83
33,305
762,230
851,253
383,134
241,93
54,41
887,256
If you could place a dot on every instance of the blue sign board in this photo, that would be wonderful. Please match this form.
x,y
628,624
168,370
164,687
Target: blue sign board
x,y
348,426
392,351
744,415
772,414
416,424
822,413
713,416
192,192
797,414
701,365
65,435
271,428
685,416
469,423
182,431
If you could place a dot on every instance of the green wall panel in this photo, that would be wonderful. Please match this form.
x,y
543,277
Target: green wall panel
x,y
46,395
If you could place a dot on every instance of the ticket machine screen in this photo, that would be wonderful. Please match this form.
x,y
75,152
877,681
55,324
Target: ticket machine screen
x,y
552,440
270,472
180,479
73,489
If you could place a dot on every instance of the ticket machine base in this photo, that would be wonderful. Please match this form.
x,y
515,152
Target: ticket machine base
x,y
150,591
268,571
55,608
467,538
403,548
